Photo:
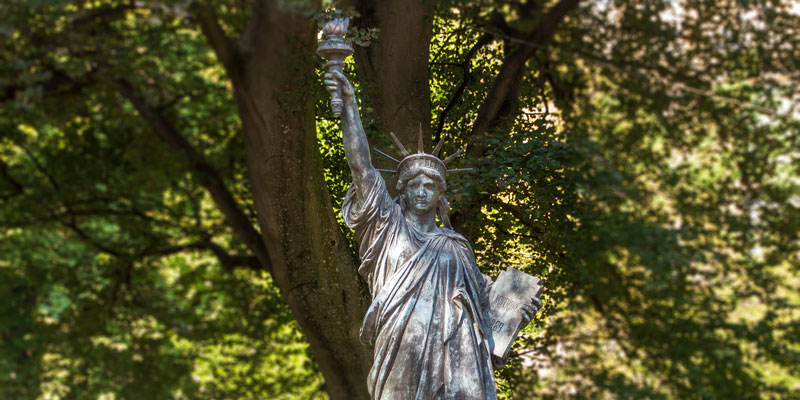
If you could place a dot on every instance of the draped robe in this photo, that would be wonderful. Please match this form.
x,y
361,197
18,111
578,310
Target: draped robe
x,y
429,312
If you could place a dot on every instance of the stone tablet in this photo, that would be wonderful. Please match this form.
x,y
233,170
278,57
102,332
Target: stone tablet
x,y
512,289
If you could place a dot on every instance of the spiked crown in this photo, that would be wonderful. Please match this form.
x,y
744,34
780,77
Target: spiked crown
x,y
421,160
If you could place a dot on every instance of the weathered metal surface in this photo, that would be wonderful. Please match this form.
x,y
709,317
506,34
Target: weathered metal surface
x,y
429,318
335,49
512,290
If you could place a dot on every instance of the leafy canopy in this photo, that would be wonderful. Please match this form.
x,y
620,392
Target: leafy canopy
x,y
645,167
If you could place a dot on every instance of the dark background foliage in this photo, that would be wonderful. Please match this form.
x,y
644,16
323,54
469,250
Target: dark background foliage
x,y
643,162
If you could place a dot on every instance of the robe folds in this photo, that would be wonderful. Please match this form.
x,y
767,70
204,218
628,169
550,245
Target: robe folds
x,y
428,321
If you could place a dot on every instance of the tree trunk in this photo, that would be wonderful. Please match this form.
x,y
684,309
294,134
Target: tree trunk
x,y
312,264
395,66
272,70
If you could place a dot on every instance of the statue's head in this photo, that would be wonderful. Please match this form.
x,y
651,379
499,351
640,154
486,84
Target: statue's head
x,y
421,180
421,190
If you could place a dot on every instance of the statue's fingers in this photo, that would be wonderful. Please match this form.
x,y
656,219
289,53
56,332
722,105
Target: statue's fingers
x,y
526,317
343,80
339,76
527,310
537,302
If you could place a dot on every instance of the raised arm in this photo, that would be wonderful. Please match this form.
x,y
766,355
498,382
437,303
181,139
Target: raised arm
x,y
356,148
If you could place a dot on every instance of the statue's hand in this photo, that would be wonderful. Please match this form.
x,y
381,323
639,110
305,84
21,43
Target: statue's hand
x,y
498,363
335,80
529,310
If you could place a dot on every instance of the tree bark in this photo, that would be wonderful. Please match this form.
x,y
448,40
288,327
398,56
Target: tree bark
x,y
505,84
272,70
394,68
502,100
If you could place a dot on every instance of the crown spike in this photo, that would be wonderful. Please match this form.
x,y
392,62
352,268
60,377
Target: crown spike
x,y
452,156
399,145
450,171
420,145
385,155
439,146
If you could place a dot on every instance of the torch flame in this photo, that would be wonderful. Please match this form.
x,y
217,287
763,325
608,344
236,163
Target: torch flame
x,y
336,27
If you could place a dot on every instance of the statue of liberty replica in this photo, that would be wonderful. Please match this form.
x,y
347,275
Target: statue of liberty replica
x,y
429,318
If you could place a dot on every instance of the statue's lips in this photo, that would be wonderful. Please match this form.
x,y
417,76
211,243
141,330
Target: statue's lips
x,y
421,203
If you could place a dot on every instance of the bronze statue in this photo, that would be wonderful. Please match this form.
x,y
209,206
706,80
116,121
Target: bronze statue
x,y
429,317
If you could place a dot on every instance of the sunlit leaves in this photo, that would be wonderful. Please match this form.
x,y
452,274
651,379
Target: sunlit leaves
x,y
109,279
646,210
646,168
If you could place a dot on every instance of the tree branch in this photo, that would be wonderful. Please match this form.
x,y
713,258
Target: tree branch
x,y
513,65
203,171
227,260
497,20
90,212
73,225
504,90
71,221
518,214
58,82
223,46
509,234
527,9
465,65
4,171
39,167
103,13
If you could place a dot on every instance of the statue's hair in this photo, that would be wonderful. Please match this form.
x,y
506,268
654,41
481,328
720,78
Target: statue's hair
x,y
410,174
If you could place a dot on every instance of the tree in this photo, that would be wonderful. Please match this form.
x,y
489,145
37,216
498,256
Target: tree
x,y
639,157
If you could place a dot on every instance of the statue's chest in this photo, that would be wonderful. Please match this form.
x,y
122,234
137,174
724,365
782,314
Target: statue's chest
x,y
421,252
402,249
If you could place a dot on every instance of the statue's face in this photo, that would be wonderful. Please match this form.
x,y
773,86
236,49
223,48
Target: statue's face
x,y
422,194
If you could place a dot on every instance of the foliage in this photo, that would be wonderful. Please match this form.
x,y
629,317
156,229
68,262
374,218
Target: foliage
x,y
637,181
109,279
646,168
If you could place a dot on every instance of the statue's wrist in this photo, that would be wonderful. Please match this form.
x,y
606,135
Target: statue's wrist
x,y
350,111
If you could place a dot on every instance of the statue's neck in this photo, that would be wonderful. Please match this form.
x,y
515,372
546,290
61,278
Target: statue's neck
x,y
425,222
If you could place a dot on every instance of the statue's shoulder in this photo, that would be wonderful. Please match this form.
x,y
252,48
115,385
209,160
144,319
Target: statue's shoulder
x,y
451,234
457,244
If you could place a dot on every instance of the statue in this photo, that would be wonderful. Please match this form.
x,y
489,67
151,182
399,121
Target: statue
x,y
429,319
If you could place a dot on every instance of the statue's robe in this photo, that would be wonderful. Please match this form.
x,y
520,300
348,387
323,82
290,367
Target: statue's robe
x,y
428,320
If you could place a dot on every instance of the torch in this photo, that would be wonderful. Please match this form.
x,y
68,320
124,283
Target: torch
x,y
335,49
